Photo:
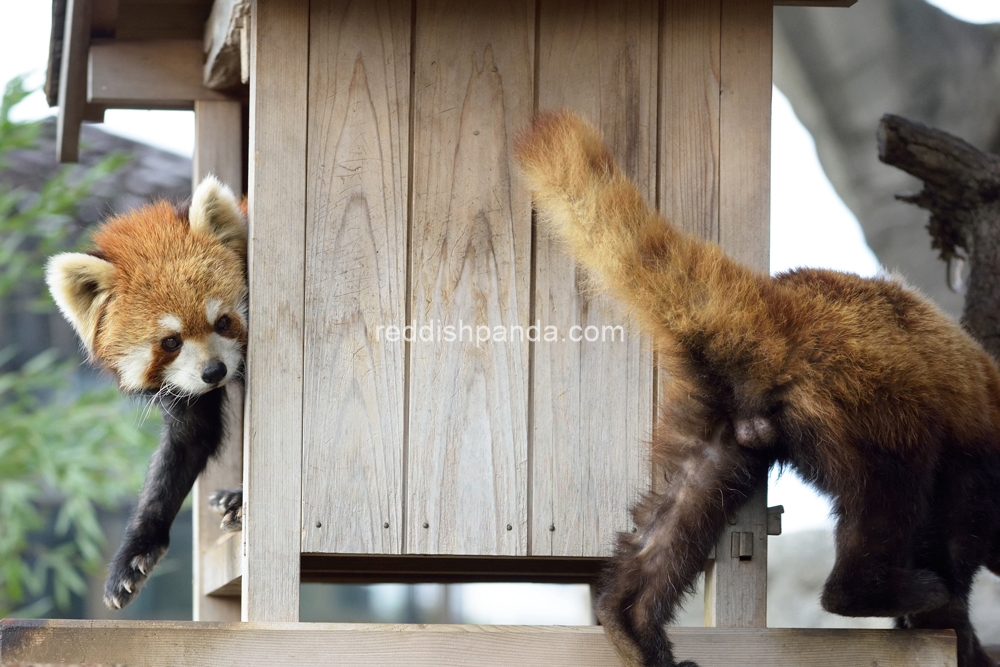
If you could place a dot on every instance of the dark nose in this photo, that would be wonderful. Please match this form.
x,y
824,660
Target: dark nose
x,y
213,372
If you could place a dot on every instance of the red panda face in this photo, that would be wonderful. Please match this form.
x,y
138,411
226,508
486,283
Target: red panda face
x,y
162,299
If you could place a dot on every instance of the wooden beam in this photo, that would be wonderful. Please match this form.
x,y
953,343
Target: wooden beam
x,y
183,644
158,74
73,80
814,3
222,43
272,463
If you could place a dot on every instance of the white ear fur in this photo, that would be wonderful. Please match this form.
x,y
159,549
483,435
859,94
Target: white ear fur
x,y
214,212
79,284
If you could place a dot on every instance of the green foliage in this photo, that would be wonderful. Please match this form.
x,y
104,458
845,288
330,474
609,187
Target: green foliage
x,y
64,452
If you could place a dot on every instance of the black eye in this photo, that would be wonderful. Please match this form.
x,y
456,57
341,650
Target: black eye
x,y
171,343
222,324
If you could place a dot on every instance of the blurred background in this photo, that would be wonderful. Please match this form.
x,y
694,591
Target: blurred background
x,y
72,453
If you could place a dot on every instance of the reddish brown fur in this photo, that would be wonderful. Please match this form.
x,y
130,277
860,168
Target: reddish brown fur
x,y
163,267
870,393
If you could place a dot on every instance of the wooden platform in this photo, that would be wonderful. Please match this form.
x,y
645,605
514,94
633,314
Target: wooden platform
x,y
189,644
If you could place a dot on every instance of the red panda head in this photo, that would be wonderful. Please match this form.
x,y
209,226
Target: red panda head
x,y
161,301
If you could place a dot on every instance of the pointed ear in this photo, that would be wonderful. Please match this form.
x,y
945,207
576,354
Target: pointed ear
x,y
214,212
80,284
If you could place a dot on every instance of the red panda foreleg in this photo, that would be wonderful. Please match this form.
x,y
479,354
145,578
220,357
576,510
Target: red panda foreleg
x,y
192,432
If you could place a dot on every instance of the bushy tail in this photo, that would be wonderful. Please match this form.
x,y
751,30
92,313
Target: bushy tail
x,y
668,279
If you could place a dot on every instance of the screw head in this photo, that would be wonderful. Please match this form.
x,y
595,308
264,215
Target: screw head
x,y
385,525
319,524
552,528
426,525
510,527
634,529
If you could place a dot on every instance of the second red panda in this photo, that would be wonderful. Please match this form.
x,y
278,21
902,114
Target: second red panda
x,y
860,385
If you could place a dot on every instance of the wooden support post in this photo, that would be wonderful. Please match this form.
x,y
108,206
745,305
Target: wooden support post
x,y
218,150
73,80
155,643
272,461
736,581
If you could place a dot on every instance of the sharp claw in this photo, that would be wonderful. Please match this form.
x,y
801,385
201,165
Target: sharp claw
x,y
127,586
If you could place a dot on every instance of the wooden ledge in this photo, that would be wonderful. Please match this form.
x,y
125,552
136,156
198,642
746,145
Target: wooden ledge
x,y
188,644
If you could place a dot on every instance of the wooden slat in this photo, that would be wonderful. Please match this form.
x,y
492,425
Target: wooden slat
x,y
221,579
272,461
161,74
222,43
735,589
218,139
470,266
592,401
689,103
356,276
140,20
745,131
152,644
218,150
73,80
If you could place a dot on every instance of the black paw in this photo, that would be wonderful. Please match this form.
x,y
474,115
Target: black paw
x,y
128,572
229,504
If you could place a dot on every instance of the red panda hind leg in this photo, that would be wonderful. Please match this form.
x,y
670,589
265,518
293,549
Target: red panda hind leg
x,y
879,514
707,477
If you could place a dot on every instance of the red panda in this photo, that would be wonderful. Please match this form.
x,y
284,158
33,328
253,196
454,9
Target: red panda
x,y
860,385
161,302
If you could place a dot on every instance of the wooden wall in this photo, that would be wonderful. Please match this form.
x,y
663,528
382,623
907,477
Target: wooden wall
x,y
414,214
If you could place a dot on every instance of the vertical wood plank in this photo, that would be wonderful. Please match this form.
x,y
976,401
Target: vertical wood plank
x,y
592,401
73,79
689,105
218,141
355,276
738,587
470,267
273,444
218,149
745,131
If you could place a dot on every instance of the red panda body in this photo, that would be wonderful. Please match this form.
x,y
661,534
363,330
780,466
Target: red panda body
x,y
861,385
160,301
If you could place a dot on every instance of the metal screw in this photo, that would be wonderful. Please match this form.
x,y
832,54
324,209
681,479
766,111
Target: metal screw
x,y
319,524
426,525
510,527
385,525
552,528
634,529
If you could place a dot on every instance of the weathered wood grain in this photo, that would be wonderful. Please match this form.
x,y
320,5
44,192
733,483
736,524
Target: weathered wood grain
x,y
592,400
73,79
159,74
152,644
356,276
272,461
745,131
689,118
736,590
218,150
470,266
221,43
